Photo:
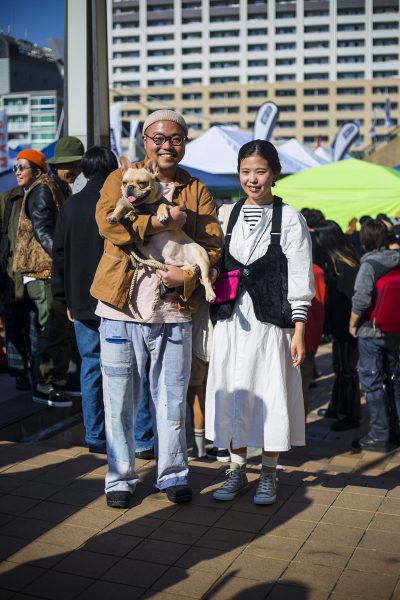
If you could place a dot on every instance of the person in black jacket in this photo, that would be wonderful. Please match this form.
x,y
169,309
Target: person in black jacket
x,y
341,266
77,249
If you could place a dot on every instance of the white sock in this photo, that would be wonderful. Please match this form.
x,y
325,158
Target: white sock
x,y
238,460
200,441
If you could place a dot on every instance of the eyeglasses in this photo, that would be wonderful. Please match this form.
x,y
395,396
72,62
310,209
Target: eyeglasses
x,y
159,139
20,168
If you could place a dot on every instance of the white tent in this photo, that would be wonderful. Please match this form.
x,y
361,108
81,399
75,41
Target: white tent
x,y
302,153
216,151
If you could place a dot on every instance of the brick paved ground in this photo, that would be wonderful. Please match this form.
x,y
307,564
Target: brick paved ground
x,y
333,533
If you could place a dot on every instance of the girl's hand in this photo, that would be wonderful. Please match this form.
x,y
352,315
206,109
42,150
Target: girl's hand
x,y
297,346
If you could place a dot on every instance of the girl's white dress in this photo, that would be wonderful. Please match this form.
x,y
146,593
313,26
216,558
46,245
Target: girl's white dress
x,y
254,395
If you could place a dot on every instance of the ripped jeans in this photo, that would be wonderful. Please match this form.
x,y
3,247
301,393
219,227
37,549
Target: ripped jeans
x,y
378,369
125,349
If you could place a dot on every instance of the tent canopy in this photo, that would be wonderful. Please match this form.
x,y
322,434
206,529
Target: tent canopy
x,y
216,151
344,189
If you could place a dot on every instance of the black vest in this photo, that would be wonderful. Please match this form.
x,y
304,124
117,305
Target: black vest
x,y
265,279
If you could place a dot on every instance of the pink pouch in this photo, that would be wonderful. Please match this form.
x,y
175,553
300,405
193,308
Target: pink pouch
x,y
226,285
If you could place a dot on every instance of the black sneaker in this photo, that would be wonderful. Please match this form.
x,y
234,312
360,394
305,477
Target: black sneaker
x,y
67,390
178,493
371,445
145,454
118,499
22,382
57,401
220,454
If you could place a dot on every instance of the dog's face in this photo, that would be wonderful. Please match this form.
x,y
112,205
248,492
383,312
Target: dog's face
x,y
139,187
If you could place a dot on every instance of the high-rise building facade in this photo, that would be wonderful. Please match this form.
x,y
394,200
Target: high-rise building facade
x,y
323,62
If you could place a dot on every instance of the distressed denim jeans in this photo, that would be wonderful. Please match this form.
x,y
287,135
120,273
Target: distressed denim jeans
x,y
125,350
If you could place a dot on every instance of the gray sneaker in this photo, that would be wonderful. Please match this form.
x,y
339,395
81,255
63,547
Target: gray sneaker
x,y
266,489
235,483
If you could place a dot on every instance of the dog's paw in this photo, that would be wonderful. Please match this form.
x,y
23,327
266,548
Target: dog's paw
x,y
210,297
112,220
162,213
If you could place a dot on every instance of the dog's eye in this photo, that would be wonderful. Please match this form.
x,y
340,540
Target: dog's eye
x,y
142,184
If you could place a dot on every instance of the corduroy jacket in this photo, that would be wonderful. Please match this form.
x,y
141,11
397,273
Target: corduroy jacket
x,y
114,274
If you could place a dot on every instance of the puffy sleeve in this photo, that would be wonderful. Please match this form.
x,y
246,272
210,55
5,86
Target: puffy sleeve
x,y
296,244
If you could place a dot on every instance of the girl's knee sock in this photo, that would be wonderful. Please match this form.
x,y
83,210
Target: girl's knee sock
x,y
269,463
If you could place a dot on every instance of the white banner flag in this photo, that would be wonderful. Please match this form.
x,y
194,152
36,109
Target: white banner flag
x,y
3,141
267,116
345,137
388,120
116,128
132,152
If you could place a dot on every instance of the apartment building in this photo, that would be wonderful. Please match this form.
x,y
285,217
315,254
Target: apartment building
x,y
31,92
323,62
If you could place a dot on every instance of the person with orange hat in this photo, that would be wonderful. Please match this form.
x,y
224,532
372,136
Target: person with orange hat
x,y
21,326
32,258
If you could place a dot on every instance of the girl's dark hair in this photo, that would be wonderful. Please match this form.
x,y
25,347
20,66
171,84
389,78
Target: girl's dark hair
x,y
98,162
313,216
335,245
264,149
374,235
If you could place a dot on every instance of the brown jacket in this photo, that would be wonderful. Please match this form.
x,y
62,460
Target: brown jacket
x,y
30,258
114,274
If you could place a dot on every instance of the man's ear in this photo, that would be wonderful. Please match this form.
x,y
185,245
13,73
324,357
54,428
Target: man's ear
x,y
152,167
125,164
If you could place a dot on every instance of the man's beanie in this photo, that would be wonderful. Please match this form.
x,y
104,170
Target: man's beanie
x,y
67,150
165,115
35,157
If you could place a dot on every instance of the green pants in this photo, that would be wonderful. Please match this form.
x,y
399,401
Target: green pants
x,y
51,361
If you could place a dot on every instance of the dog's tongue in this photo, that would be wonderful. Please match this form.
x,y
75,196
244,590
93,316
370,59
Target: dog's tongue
x,y
131,199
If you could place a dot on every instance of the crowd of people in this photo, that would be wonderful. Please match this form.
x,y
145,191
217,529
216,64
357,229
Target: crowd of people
x,y
235,373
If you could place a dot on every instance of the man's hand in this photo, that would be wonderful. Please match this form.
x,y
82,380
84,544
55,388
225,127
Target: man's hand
x,y
70,315
172,277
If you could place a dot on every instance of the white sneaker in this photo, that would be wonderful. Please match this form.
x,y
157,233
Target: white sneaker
x,y
235,483
266,489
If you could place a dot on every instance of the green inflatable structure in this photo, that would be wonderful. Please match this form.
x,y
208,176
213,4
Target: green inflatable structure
x,y
344,189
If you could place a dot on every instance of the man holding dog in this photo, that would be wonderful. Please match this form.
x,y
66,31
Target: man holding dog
x,y
127,343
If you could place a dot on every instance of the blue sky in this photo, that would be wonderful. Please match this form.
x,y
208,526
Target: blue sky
x,y
39,19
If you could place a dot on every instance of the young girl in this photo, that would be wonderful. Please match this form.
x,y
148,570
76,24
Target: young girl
x,y
254,393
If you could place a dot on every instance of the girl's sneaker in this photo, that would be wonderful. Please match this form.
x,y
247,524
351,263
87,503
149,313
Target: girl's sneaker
x,y
266,489
235,483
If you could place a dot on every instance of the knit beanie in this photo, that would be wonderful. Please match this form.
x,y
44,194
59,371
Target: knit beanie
x,y
165,115
35,157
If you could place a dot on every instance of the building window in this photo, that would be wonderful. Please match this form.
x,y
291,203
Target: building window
x,y
256,93
386,42
316,107
257,63
161,97
191,50
191,35
385,57
357,10
350,43
231,79
192,81
286,124
160,52
132,69
353,106
160,68
316,123
159,37
315,28
129,39
223,49
319,44
224,18
350,91
311,139
159,82
224,110
287,108
232,94
230,33
285,61
286,77
192,96
190,66
379,10
160,22
285,45
351,75
257,78
226,64
316,13
258,31
385,74
385,26
316,60
284,93
284,30
193,19
350,59
257,47
351,27
124,84
391,89
131,54
285,15
312,76
316,92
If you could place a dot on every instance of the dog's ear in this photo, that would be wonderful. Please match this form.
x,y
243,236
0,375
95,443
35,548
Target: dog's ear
x,y
152,168
125,164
